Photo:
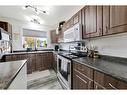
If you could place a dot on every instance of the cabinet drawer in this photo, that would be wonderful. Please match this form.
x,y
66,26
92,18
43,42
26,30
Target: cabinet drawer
x,y
109,82
80,81
84,69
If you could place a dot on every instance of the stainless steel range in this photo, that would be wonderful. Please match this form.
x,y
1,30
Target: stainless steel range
x,y
64,71
64,68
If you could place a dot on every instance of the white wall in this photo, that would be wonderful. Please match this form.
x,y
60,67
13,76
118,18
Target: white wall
x,y
113,45
17,30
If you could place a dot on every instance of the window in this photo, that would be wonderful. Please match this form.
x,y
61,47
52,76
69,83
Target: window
x,y
32,42
41,42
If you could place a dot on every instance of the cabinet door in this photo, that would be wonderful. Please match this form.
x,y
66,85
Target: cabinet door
x,y
113,83
15,57
93,21
108,82
48,60
6,26
81,82
116,17
82,76
38,62
55,62
54,36
8,58
29,67
43,61
106,19
32,60
83,69
10,28
83,23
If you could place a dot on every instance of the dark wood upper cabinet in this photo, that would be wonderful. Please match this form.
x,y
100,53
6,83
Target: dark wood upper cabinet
x,y
103,20
99,20
106,19
92,21
114,19
6,26
72,21
54,36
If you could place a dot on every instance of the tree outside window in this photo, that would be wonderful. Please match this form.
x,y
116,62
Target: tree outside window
x,y
32,42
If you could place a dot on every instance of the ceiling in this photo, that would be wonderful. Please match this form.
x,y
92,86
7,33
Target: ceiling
x,y
54,16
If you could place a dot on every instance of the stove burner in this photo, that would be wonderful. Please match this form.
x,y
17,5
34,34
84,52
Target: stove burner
x,y
71,55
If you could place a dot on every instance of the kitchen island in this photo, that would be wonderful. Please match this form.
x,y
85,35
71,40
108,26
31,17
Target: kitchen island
x,y
13,75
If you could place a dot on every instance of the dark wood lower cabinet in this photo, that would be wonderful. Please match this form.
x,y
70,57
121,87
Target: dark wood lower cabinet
x,y
108,82
98,86
36,61
32,61
80,81
88,78
48,60
54,65
82,77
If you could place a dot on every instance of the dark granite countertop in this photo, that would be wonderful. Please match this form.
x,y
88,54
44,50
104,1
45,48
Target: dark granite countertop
x,y
8,72
115,67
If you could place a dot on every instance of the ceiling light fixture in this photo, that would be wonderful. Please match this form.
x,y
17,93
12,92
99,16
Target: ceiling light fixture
x,y
37,10
35,21
35,18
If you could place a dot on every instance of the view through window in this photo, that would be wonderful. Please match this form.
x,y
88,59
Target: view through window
x,y
32,42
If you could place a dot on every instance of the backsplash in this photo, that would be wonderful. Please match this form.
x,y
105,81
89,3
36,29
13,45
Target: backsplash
x,y
65,46
113,45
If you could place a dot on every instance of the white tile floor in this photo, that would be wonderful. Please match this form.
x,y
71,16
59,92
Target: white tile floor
x,y
43,80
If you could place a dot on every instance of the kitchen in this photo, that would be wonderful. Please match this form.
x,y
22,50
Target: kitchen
x,y
85,49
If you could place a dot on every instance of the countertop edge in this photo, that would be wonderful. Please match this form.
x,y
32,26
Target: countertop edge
x,y
9,83
26,53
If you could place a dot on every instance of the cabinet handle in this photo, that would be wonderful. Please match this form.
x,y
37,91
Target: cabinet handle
x,y
100,31
89,84
81,69
96,87
81,79
106,29
112,86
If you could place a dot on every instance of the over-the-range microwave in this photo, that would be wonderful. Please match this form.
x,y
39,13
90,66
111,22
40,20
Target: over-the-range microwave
x,y
73,34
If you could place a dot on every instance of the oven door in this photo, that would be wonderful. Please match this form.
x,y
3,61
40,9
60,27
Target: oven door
x,y
64,71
